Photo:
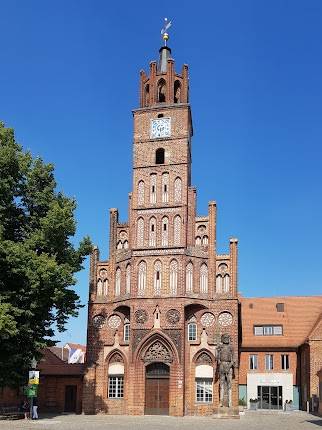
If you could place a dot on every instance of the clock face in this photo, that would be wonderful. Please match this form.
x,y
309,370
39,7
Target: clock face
x,y
225,319
160,127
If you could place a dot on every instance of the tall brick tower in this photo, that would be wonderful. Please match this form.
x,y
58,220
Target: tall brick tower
x,y
159,305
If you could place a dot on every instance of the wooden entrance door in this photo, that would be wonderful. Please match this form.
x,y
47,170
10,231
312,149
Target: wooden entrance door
x,y
70,398
157,389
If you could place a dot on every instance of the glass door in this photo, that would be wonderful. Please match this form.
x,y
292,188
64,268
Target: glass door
x,y
270,397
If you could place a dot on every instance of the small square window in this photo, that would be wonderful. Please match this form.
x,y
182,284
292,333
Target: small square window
x,y
280,307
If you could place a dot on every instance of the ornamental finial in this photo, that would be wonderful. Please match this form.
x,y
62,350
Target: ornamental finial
x,y
164,33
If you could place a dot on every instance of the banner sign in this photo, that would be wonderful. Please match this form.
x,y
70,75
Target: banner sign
x,y
33,377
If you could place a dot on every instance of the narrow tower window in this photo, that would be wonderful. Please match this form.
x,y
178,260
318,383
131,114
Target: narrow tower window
x,y
147,95
99,290
118,282
152,232
173,277
140,232
161,91
189,278
177,230
165,230
204,278
157,278
165,187
153,188
177,92
159,156
142,278
141,193
177,190
128,279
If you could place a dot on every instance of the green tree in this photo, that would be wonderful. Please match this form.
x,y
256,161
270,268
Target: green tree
x,y
37,259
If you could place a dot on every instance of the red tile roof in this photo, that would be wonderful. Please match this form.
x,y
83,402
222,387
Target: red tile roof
x,y
50,364
300,316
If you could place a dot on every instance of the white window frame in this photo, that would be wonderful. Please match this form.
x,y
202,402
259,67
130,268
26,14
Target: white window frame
x,y
194,330
205,386
116,386
269,362
253,362
285,361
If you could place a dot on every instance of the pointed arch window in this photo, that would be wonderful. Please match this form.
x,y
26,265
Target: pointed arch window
x,y
189,278
142,278
105,287
147,95
165,231
141,193
128,279
177,92
177,230
198,241
140,232
204,278
205,240
162,91
173,277
222,279
153,188
178,190
226,283
116,378
152,231
99,290
126,244
218,284
165,187
118,282
157,277
119,245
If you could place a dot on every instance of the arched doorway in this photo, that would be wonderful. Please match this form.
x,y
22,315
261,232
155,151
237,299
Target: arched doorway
x,y
157,377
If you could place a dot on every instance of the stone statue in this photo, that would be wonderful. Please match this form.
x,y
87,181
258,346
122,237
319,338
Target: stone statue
x,y
226,364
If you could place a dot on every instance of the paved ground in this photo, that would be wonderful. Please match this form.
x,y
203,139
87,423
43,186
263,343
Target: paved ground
x,y
250,421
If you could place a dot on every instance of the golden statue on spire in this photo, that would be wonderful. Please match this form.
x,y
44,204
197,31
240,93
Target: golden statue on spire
x,y
164,33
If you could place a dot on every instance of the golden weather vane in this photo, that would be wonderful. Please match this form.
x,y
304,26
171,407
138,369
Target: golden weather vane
x,y
164,33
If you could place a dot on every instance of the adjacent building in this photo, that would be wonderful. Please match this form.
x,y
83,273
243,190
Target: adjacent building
x,y
281,351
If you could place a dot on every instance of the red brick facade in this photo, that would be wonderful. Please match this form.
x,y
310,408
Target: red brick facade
x,y
163,271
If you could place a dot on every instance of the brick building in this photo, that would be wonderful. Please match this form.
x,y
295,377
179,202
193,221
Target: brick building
x,y
281,351
159,305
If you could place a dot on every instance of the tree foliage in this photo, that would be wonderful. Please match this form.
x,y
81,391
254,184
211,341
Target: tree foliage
x,y
37,259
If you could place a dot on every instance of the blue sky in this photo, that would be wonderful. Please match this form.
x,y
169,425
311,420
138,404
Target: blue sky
x,y
69,80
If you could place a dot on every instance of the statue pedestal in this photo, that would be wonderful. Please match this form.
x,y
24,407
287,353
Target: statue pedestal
x,y
223,412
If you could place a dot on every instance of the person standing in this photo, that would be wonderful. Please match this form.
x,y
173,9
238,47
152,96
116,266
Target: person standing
x,y
25,408
35,409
